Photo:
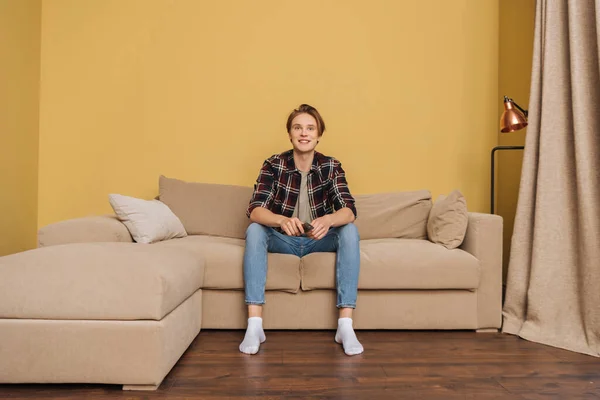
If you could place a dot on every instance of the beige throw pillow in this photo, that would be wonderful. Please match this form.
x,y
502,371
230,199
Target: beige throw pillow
x,y
148,221
447,223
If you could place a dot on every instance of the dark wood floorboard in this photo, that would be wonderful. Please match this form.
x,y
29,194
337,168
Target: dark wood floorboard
x,y
395,365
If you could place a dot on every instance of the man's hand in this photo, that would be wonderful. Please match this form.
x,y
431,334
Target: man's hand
x,y
321,226
291,226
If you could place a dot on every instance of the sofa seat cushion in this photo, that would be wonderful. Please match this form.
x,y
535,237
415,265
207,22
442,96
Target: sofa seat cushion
x,y
398,264
97,281
224,268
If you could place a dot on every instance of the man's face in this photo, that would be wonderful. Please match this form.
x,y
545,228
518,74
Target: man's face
x,y
304,133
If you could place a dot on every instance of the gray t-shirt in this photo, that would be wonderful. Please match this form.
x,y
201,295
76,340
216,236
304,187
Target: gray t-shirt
x,y
302,210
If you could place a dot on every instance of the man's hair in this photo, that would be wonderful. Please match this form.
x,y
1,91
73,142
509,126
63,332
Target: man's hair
x,y
310,110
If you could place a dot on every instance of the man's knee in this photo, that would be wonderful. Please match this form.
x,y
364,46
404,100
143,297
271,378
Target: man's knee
x,y
256,231
349,232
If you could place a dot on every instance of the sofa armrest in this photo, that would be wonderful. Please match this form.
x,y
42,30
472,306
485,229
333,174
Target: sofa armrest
x,y
105,228
484,241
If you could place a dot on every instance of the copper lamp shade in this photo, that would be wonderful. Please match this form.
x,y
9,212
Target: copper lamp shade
x,y
513,117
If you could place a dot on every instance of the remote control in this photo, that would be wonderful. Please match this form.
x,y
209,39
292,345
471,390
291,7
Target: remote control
x,y
307,227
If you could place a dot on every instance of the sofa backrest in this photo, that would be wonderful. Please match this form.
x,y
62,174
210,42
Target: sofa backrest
x,y
207,209
393,215
220,210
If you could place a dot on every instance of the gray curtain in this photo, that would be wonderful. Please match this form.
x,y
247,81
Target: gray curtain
x,y
553,281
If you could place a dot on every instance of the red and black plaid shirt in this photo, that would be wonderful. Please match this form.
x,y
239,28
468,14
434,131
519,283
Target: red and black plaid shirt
x,y
278,186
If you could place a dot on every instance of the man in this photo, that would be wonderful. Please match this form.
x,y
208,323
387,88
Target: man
x,y
293,188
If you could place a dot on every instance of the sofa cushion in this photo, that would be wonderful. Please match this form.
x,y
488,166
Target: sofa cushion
x,y
224,259
398,264
207,209
393,215
97,281
448,220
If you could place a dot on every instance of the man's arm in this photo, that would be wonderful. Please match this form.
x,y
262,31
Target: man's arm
x,y
264,190
263,216
340,193
259,208
266,217
322,224
343,203
341,217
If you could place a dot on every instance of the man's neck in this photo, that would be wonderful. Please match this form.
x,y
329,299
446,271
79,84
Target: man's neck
x,y
304,161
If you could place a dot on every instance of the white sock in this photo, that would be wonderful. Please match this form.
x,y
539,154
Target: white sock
x,y
254,336
346,336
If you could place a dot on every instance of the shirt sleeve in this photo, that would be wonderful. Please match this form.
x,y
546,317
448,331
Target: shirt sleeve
x,y
264,189
339,192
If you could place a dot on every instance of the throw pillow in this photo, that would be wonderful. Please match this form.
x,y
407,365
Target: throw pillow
x,y
447,222
148,221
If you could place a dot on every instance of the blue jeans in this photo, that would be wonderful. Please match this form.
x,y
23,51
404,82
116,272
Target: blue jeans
x,y
261,239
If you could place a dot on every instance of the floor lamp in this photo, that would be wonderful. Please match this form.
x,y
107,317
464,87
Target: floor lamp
x,y
512,120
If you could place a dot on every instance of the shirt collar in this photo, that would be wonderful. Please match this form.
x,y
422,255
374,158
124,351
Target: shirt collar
x,y
290,165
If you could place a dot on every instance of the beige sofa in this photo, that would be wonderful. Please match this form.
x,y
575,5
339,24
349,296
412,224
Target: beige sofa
x,y
89,305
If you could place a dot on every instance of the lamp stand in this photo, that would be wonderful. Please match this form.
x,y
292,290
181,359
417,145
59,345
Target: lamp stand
x,y
494,168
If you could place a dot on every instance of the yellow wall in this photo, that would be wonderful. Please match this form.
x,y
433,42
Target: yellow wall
x,y
200,91
517,19
19,100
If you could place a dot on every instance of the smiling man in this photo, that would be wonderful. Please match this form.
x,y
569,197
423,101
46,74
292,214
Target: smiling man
x,y
301,204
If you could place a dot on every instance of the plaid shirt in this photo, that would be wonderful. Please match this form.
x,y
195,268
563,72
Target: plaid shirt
x,y
278,186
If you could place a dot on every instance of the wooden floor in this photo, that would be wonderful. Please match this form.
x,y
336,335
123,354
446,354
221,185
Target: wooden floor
x,y
395,365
